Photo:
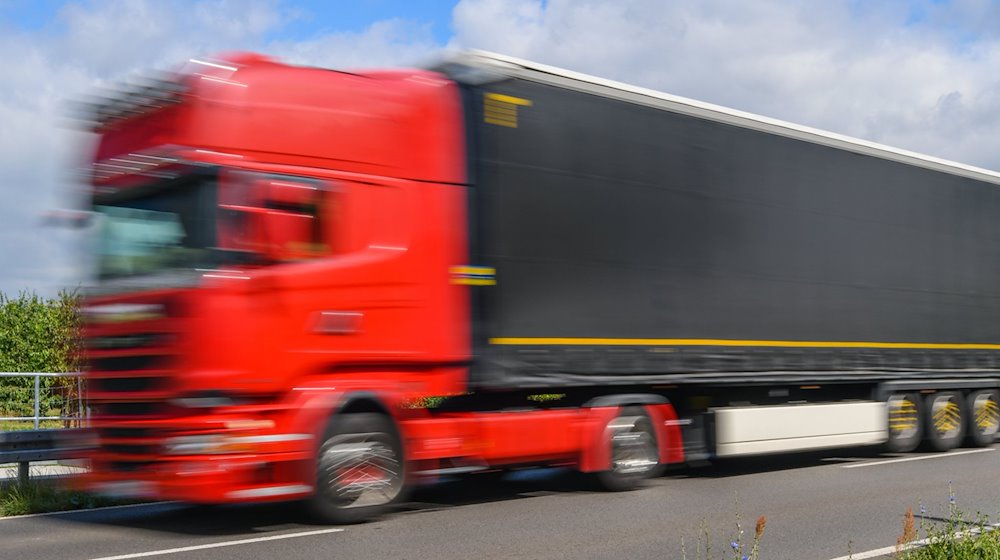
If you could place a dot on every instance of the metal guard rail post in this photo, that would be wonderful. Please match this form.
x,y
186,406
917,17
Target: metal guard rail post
x,y
37,418
23,447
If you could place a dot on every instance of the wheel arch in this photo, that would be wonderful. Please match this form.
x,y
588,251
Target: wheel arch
x,y
363,401
595,455
626,399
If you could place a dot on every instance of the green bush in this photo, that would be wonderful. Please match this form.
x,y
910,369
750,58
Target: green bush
x,y
38,335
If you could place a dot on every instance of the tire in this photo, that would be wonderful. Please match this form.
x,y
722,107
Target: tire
x,y
945,420
905,422
634,451
983,418
360,470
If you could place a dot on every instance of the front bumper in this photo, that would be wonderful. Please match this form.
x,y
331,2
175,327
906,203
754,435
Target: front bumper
x,y
213,475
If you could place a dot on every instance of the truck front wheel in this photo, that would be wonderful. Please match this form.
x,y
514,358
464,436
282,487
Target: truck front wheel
x,y
634,451
360,469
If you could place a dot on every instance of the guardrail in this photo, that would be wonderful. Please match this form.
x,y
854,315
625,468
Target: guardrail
x,y
62,404
72,410
25,446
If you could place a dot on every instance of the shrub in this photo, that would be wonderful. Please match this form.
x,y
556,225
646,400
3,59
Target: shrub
x,y
38,335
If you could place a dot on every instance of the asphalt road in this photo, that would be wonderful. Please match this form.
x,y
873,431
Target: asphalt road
x,y
818,506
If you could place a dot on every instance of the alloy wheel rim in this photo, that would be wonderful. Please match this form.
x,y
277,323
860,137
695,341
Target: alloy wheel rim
x,y
360,470
946,416
903,418
633,446
986,414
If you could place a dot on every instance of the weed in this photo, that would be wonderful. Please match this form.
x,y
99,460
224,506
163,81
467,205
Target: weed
x,y
909,531
959,538
738,550
44,496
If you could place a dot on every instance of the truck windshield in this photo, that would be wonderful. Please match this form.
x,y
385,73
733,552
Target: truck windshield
x,y
167,226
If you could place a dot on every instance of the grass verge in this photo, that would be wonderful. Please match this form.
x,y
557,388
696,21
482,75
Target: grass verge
x,y
958,538
962,540
46,496
17,425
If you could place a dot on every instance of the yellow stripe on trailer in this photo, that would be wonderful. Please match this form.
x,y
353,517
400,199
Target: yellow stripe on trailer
x,y
562,341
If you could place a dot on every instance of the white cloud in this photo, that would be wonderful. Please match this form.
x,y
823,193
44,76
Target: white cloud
x,y
89,44
93,44
916,76
113,37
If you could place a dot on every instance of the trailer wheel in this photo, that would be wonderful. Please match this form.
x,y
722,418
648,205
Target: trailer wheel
x,y
983,417
905,423
945,420
360,469
634,451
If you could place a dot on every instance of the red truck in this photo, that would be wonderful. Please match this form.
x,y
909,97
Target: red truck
x,y
325,285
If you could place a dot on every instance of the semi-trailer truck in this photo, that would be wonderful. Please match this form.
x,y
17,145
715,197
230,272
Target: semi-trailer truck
x,y
325,285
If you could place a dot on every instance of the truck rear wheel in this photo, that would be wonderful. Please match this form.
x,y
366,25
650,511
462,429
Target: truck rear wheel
x,y
634,451
945,420
983,418
905,422
360,469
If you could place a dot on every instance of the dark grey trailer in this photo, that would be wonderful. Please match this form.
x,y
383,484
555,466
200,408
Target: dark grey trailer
x,y
642,238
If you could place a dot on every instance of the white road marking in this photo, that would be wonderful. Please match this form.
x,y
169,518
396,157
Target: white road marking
x,y
910,545
218,544
86,510
869,553
921,458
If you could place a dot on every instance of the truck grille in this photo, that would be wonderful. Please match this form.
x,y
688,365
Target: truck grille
x,y
119,409
127,363
128,466
127,449
125,433
130,449
126,384
132,359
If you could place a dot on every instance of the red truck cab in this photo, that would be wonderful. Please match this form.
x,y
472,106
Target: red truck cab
x,y
284,278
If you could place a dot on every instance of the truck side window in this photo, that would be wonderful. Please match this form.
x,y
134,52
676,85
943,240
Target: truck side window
x,y
276,217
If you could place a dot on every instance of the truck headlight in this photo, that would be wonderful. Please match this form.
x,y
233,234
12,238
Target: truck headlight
x,y
208,445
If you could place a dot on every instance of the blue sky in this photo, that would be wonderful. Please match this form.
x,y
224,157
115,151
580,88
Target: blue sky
x,y
29,15
317,18
916,74
307,18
